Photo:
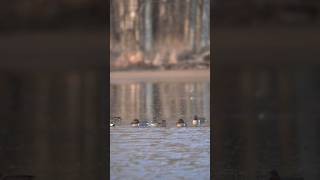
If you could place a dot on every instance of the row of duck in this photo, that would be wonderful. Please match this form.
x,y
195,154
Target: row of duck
x,y
196,122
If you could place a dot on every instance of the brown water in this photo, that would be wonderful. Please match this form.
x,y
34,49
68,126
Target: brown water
x,y
160,153
160,100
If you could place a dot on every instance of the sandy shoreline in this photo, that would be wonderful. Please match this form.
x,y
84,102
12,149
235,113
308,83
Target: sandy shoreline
x,y
167,75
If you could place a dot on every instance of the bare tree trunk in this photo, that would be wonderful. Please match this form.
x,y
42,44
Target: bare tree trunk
x,y
172,27
193,14
122,23
186,22
205,35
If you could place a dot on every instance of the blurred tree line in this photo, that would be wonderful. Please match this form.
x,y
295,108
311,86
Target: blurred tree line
x,y
158,32
267,12
51,14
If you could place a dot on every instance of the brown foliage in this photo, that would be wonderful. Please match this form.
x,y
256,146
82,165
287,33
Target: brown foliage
x,y
128,58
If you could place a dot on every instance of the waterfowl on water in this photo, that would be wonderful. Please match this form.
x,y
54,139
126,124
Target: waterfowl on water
x,y
157,124
153,123
144,124
181,123
195,121
135,123
115,121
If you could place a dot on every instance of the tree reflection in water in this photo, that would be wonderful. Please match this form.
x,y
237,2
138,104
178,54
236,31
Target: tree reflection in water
x,y
155,101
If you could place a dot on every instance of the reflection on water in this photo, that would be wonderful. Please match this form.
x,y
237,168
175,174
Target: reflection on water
x,y
161,100
160,153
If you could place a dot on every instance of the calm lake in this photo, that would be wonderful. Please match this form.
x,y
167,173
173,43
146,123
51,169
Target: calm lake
x,y
160,153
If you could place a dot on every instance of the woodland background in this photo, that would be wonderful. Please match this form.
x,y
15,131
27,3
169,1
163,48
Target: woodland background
x,y
159,34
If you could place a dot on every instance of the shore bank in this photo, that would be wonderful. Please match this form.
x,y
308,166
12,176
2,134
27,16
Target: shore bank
x,y
166,75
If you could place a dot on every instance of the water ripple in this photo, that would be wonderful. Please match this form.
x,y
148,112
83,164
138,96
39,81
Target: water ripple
x,y
160,153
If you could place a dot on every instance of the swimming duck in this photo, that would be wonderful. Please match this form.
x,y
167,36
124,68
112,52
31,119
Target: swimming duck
x,y
181,123
135,123
157,124
195,121
144,124
115,121
153,123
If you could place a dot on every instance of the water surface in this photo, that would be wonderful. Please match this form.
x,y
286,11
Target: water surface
x,y
160,100
160,153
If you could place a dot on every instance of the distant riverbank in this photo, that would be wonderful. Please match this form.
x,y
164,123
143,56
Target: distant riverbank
x,y
165,75
163,59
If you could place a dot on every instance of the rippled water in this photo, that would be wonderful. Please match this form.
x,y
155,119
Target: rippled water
x,y
160,153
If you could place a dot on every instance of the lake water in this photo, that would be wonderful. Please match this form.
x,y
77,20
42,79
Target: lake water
x,y
160,153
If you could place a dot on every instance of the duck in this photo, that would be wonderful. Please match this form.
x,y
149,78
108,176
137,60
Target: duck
x,y
144,124
135,123
181,123
115,121
153,123
157,124
196,121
